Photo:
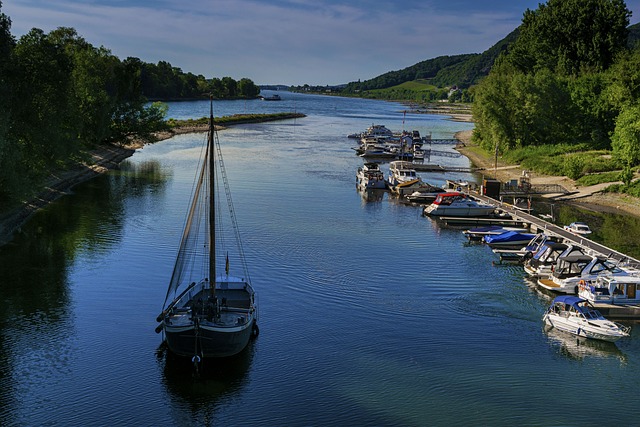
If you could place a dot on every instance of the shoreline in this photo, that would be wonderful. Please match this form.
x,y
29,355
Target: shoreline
x,y
100,160
590,198
109,157
60,183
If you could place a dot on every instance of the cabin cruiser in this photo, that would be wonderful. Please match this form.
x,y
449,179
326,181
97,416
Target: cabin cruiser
x,y
570,270
578,316
369,176
578,228
401,172
611,290
459,205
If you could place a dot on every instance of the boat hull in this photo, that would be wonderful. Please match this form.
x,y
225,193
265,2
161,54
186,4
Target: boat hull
x,y
208,340
583,328
462,212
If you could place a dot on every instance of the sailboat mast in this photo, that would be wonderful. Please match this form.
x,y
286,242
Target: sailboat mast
x,y
212,213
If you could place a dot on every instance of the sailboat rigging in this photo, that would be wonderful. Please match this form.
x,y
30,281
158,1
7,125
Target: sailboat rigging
x,y
204,318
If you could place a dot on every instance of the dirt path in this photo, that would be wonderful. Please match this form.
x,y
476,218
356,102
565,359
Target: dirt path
x,y
590,197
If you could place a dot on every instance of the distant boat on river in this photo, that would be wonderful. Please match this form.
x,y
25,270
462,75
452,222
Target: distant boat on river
x,y
201,318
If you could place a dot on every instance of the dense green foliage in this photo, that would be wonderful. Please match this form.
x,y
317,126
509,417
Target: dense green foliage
x,y
61,96
569,80
163,81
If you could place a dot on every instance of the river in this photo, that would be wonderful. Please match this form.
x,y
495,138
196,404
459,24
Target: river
x,y
370,313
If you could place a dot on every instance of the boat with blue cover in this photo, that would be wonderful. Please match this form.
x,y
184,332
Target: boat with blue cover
x,y
508,239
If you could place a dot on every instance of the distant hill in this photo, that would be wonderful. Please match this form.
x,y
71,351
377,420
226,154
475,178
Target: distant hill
x,y
460,70
634,35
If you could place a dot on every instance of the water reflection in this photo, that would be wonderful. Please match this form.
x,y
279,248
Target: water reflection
x,y
580,348
618,231
371,195
201,391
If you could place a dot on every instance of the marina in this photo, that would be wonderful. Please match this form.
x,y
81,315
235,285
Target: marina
x,y
370,312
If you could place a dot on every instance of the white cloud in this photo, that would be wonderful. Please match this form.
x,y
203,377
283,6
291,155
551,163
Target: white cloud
x,y
290,42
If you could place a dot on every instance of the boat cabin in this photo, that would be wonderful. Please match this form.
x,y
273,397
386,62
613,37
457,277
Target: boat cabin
x,y
612,290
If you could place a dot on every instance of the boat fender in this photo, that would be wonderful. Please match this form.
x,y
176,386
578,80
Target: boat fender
x,y
255,331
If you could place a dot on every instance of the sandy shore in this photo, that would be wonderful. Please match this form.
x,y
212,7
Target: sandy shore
x,y
587,197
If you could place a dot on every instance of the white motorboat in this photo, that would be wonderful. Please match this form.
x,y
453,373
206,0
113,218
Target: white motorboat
x,y
401,172
369,176
611,290
539,263
578,228
570,270
425,194
479,232
578,316
458,205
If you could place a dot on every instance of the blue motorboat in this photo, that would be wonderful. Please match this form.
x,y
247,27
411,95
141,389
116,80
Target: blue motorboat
x,y
508,239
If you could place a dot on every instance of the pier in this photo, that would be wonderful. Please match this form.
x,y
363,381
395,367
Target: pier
x,y
519,218
538,225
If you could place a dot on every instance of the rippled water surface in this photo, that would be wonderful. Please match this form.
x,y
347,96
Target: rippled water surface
x,y
370,314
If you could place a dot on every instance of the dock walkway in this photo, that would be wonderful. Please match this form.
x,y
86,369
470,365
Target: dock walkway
x,y
540,225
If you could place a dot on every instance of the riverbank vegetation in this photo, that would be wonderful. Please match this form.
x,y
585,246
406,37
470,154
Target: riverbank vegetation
x,y
564,98
62,97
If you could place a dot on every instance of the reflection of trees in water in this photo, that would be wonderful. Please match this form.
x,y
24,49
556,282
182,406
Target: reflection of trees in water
x,y
201,392
35,317
579,348
618,231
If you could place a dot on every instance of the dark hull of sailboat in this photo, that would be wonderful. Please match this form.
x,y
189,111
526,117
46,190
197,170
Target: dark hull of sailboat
x,y
209,341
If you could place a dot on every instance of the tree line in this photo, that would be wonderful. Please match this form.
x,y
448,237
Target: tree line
x,y
568,79
61,96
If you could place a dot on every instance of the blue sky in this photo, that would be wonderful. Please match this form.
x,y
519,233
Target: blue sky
x,y
321,42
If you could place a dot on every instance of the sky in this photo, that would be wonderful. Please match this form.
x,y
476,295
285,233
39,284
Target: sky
x,y
290,42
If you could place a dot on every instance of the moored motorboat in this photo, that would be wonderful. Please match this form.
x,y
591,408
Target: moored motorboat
x,y
458,204
539,263
578,228
509,239
578,316
570,270
400,172
611,290
369,176
479,232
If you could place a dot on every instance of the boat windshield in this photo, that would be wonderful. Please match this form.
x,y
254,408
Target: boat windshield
x,y
589,312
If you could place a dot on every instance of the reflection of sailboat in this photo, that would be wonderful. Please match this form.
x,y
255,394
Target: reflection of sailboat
x,y
201,319
576,347
215,381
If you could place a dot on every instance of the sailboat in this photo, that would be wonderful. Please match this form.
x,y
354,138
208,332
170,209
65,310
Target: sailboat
x,y
202,318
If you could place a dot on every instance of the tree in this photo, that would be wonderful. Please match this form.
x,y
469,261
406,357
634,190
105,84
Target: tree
x,y
625,140
248,89
7,159
571,36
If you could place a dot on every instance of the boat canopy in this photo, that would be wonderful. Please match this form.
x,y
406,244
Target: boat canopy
x,y
576,258
569,299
